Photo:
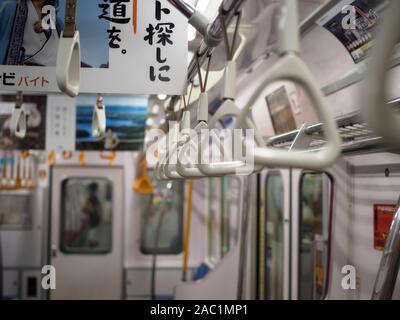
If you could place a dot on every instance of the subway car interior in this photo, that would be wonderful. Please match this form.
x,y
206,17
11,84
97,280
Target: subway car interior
x,y
199,150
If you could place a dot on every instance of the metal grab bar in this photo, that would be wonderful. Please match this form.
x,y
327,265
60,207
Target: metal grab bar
x,y
390,262
215,34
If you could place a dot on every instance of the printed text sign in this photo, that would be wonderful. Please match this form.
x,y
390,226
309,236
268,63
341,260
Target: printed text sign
x,y
128,46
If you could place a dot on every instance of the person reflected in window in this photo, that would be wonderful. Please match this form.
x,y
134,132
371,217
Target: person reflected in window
x,y
93,209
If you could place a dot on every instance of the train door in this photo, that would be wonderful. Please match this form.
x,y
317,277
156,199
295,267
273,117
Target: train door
x,y
312,223
274,271
86,238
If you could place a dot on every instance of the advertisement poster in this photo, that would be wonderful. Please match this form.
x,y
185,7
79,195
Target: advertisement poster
x,y
125,126
281,111
35,110
353,23
383,217
127,47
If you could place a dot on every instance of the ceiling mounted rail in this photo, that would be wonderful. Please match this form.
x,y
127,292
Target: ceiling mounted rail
x,y
356,136
213,35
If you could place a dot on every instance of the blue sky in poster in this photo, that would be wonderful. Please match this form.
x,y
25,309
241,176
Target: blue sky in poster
x,y
93,32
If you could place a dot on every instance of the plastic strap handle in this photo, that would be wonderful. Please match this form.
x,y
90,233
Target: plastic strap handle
x,y
229,109
164,168
288,30
161,159
68,67
189,170
378,114
99,118
18,118
291,67
167,170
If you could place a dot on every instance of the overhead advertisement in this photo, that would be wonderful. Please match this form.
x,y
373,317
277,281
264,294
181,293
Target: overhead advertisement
x,y
127,47
59,123
353,23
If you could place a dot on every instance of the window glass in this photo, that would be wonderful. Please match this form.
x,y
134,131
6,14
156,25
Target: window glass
x,y
313,235
223,216
86,224
162,218
274,202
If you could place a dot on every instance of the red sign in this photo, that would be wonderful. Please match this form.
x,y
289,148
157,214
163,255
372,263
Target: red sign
x,y
383,217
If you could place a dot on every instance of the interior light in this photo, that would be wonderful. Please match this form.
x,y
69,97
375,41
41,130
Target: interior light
x,y
162,97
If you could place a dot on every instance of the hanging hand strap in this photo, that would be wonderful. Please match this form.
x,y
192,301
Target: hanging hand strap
x,y
99,117
69,53
18,118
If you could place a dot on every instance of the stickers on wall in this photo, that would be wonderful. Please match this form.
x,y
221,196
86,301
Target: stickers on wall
x,y
383,217
353,23
128,47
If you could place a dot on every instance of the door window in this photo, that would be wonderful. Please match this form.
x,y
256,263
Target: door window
x,y
274,206
86,216
162,219
315,191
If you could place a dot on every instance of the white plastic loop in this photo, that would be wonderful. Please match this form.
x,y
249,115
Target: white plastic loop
x,y
18,118
229,109
189,169
291,67
377,112
68,68
229,90
99,118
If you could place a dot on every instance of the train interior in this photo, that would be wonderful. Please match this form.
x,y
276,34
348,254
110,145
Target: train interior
x,y
313,215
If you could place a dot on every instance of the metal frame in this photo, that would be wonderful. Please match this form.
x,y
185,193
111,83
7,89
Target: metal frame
x,y
356,136
214,35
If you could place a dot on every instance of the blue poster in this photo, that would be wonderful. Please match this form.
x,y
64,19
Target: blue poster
x,y
125,124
